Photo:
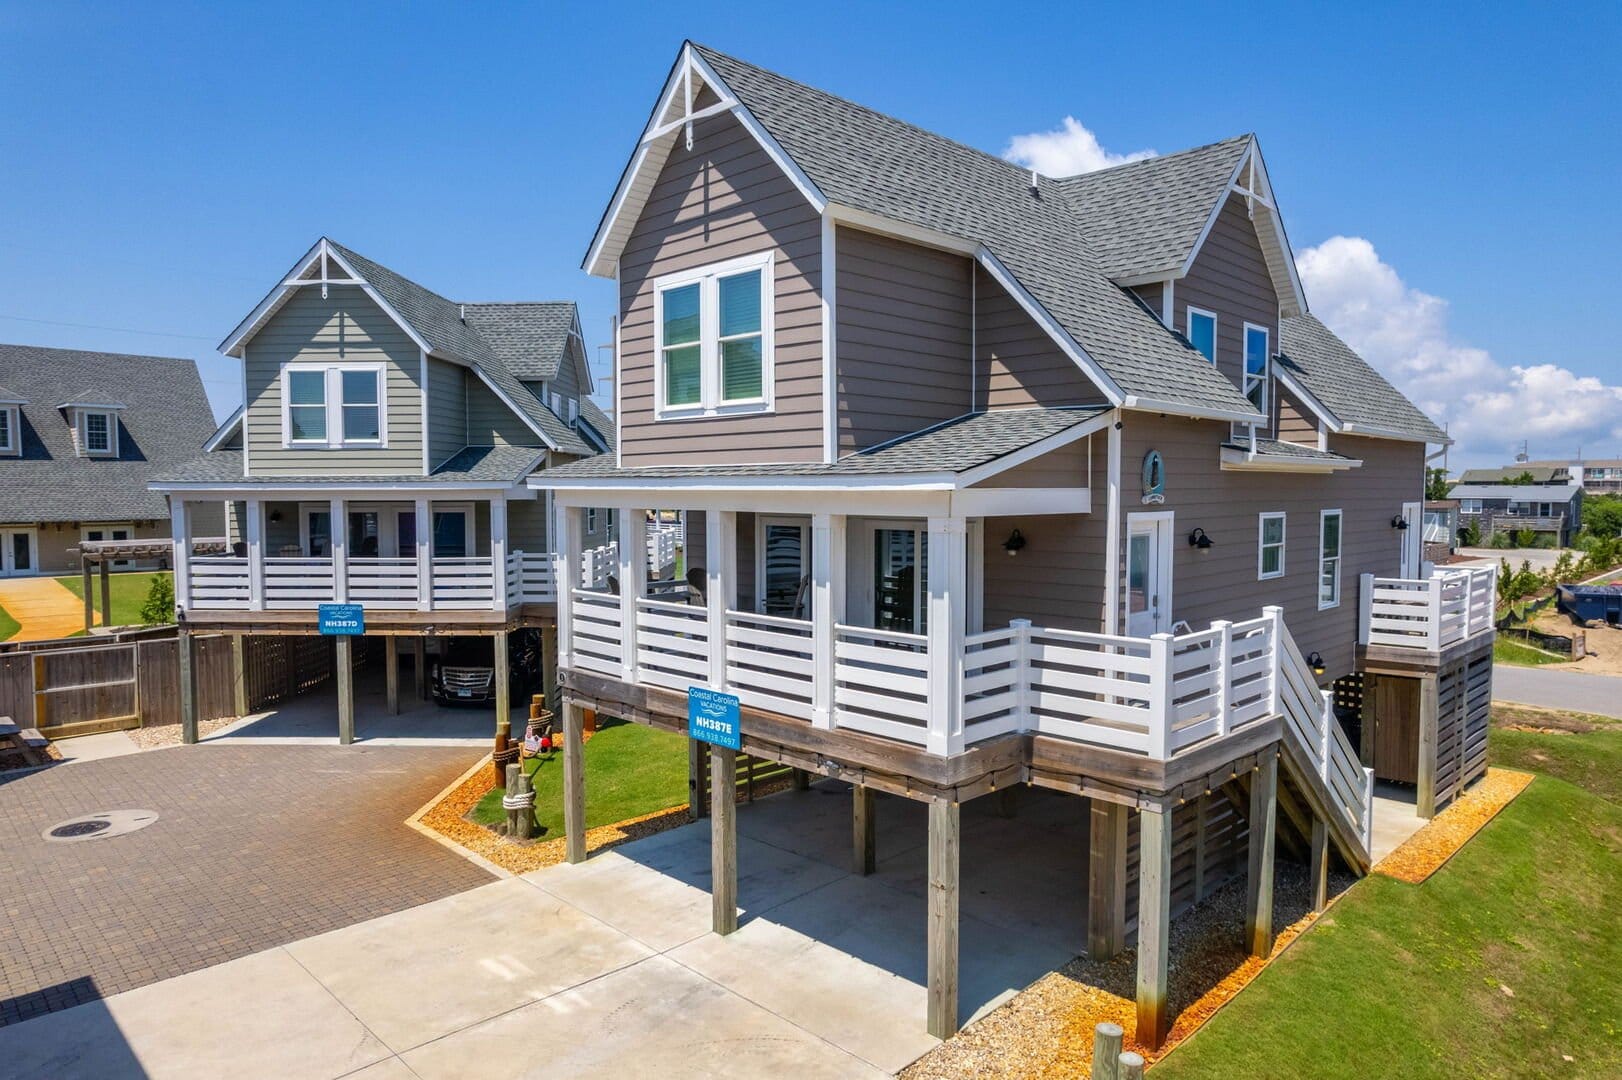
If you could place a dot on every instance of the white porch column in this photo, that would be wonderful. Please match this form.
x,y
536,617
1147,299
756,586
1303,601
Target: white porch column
x,y
340,551
425,556
567,527
828,549
721,588
498,551
633,579
948,596
180,529
256,553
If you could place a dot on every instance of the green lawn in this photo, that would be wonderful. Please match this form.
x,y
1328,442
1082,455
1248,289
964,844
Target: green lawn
x,y
1508,651
8,625
630,770
128,593
1502,964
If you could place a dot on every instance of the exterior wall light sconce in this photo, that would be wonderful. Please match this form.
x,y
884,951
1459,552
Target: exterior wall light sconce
x,y
275,516
1014,543
1198,539
1316,663
1399,522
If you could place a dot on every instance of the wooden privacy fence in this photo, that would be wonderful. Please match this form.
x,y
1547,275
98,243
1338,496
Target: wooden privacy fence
x,y
91,686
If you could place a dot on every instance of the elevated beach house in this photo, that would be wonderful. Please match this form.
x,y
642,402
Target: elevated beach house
x,y
997,478
81,433
380,459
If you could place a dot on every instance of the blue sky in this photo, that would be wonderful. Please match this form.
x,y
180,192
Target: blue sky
x,y
162,167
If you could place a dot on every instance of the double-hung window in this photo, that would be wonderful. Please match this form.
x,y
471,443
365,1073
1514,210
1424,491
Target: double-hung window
x,y
1329,522
1270,547
8,429
1202,332
333,405
713,331
1256,365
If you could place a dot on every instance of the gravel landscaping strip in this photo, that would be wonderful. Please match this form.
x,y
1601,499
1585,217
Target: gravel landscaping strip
x,y
1423,853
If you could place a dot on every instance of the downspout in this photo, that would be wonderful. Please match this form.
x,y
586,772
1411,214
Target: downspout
x,y
1112,539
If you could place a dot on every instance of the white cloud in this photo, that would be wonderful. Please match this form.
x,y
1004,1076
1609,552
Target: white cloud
x,y
1488,407
1065,151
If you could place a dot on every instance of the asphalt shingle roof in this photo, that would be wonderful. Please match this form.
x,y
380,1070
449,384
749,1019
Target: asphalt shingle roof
x,y
598,421
1345,384
473,464
165,420
955,446
869,161
1145,217
530,338
1516,492
1541,474
1275,448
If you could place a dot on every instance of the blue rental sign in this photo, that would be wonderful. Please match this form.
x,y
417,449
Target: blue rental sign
x,y
713,717
341,618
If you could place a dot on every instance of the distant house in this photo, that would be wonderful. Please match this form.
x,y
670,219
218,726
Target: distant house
x,y
1539,473
1542,508
81,433
1599,477
1441,529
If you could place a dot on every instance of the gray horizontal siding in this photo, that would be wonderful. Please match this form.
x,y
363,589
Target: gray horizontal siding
x,y
723,199
490,422
345,326
903,337
1017,364
447,410
1230,278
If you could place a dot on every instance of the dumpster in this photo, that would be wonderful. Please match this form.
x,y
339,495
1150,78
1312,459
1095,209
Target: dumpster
x,y
1591,603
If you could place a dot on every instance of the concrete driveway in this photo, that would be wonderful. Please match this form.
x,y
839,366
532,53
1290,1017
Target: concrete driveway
x,y
609,969
252,847
1571,691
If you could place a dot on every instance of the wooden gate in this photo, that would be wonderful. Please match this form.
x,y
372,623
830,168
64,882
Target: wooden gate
x,y
1396,729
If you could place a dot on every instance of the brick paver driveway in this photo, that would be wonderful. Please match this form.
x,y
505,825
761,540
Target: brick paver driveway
x,y
255,846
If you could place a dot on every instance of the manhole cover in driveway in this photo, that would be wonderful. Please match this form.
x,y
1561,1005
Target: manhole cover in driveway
x,y
99,826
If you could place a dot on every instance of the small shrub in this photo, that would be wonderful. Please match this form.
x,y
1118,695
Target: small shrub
x,y
1525,538
159,606
1470,534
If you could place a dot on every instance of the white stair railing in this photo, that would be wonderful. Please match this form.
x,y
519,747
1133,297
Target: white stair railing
x,y
1310,725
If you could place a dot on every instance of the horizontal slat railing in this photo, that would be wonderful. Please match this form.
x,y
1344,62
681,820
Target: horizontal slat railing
x,y
297,582
770,662
1450,606
464,583
536,581
219,583
881,682
596,637
383,583
1309,722
672,644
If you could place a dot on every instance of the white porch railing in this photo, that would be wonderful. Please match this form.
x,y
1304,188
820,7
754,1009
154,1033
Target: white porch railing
x,y
597,632
672,643
1452,605
1309,722
770,662
382,583
662,541
597,563
220,582
464,584
297,582
881,682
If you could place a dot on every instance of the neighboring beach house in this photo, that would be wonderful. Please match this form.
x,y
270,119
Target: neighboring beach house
x,y
996,478
380,459
1552,508
81,434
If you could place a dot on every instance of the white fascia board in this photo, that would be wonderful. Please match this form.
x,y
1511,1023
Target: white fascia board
x,y
1318,408
868,221
345,489
702,481
1369,431
889,504
599,258
513,406
585,354
223,432
1021,502
1106,385
1030,452
1242,461
248,326
1216,211
1176,408
1297,293
377,298
1152,277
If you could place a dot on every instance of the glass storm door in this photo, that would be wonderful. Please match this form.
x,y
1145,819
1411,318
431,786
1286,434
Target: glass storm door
x,y
900,580
17,552
1148,594
785,587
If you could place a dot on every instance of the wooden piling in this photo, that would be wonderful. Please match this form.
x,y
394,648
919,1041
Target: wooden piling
x,y
945,821
723,839
1319,865
1261,827
419,667
106,596
239,674
89,596
391,673
188,687
1106,879
1154,924
1107,1051
1426,786
574,783
864,831
345,674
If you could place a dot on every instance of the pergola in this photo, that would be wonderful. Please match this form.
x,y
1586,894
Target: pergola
x,y
102,553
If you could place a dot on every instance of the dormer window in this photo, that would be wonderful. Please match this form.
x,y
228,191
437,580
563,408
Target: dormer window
x,y
98,432
1257,353
333,405
10,436
713,339
1202,332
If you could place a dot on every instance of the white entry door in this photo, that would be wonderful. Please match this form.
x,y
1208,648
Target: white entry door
x,y
111,532
19,552
1148,574
1413,538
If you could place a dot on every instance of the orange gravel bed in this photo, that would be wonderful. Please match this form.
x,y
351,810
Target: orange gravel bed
x,y
1425,852
1047,1029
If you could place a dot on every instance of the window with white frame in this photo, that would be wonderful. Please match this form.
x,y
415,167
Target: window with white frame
x,y
9,437
1270,547
1329,541
333,405
96,432
713,339
1469,506
591,519
1257,352
1202,331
